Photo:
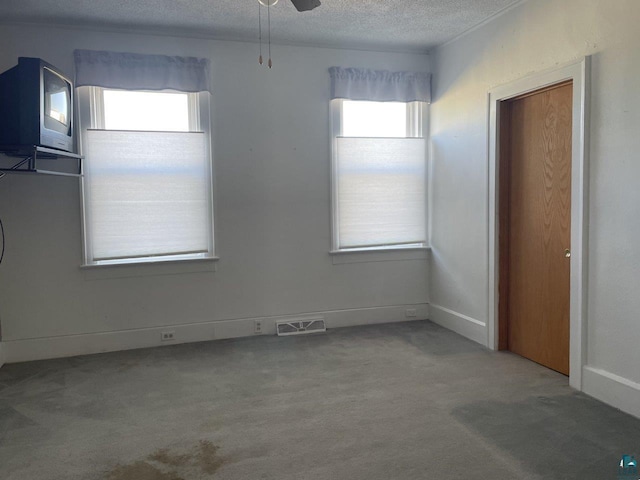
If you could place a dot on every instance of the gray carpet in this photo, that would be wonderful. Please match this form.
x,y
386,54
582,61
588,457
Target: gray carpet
x,y
397,401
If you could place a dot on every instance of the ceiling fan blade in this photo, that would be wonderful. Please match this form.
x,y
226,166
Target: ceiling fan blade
x,y
304,5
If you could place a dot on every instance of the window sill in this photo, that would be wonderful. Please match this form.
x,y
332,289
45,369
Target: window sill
x,y
379,254
149,267
380,249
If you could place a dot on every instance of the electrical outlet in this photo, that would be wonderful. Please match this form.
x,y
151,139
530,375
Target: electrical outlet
x,y
167,336
410,313
257,327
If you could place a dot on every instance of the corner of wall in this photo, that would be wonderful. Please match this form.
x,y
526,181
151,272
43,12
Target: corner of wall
x,y
1,355
617,391
461,324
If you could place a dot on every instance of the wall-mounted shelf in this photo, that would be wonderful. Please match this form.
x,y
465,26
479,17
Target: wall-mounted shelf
x,y
32,159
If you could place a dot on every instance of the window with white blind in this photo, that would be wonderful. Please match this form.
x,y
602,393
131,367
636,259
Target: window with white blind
x,y
378,175
147,175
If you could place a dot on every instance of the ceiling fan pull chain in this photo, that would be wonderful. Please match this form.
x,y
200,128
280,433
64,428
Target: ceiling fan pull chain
x,y
260,31
269,22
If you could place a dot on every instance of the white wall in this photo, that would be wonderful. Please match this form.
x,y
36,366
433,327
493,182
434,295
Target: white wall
x,y
271,144
539,35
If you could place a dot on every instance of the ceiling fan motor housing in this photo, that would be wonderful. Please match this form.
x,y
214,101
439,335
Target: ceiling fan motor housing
x,y
304,5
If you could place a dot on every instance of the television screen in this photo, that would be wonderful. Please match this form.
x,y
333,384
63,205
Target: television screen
x,y
57,102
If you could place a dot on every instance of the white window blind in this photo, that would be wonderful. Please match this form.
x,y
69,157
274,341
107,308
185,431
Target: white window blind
x,y
147,194
381,191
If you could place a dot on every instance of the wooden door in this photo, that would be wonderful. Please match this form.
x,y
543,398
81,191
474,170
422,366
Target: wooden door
x,y
535,219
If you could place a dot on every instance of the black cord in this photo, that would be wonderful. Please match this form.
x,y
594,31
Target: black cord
x,y
2,175
2,234
2,231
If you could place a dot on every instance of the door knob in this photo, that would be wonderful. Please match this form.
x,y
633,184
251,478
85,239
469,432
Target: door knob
x,y
567,253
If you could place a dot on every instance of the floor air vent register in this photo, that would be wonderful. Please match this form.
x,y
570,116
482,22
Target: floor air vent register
x,y
300,327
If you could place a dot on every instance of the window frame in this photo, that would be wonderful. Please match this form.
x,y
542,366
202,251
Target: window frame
x,y
90,108
417,127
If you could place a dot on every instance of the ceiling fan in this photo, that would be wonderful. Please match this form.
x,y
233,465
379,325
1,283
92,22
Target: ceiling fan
x,y
301,5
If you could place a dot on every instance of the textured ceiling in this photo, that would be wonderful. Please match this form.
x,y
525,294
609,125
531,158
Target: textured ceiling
x,y
404,25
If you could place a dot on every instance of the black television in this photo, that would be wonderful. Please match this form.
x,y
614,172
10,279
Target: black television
x,y
36,107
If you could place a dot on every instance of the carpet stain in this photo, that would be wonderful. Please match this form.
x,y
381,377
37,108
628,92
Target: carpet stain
x,y
141,471
165,457
208,457
201,461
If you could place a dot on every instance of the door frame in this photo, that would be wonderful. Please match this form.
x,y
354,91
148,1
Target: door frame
x,y
578,72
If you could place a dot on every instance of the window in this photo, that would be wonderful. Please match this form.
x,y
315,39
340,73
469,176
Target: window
x,y
147,175
378,175
148,111
147,186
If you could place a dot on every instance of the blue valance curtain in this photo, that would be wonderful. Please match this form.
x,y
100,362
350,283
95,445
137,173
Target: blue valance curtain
x,y
134,71
380,85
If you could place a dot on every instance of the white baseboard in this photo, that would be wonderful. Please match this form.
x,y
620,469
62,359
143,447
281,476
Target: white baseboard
x,y
72,345
612,389
466,326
